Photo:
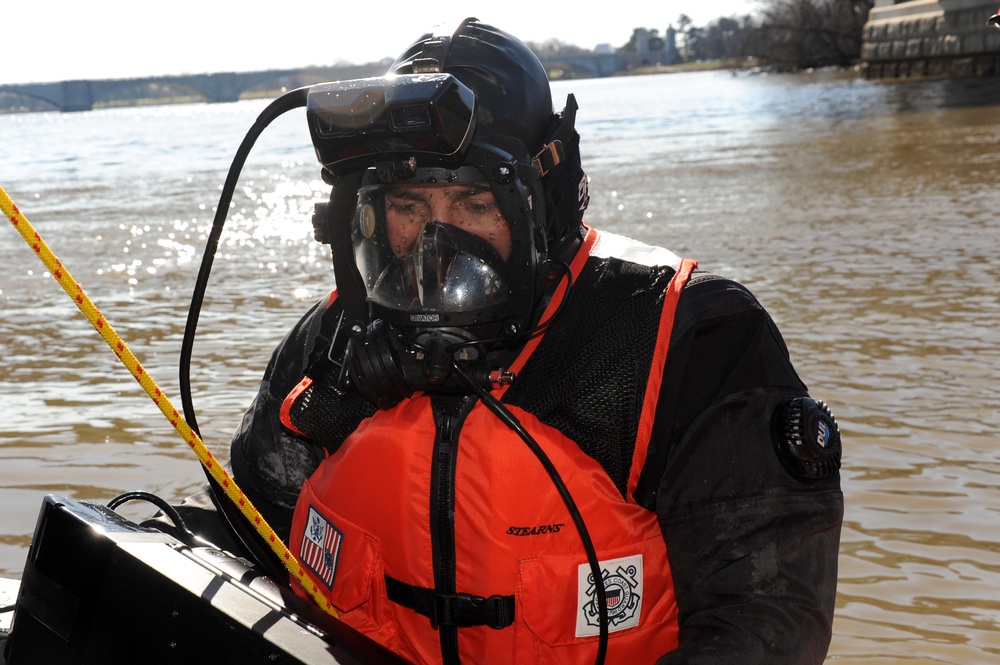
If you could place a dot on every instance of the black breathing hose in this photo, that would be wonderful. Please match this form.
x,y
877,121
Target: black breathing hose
x,y
509,419
238,526
288,101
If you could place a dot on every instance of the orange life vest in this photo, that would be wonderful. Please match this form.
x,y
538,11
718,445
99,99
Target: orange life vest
x,y
362,527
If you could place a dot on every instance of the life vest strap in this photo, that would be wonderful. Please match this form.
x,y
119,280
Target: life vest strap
x,y
452,609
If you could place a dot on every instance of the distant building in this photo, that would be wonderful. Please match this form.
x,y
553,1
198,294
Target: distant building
x,y
642,41
670,53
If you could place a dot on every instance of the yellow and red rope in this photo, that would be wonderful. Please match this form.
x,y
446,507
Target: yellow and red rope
x,y
118,346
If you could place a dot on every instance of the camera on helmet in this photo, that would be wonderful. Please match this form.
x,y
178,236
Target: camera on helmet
x,y
405,115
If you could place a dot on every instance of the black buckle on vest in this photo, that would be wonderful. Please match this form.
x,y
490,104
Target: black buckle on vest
x,y
452,609
462,609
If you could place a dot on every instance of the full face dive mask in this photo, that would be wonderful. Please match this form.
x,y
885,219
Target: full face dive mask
x,y
451,291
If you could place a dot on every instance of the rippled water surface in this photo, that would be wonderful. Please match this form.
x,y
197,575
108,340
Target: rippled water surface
x,y
862,214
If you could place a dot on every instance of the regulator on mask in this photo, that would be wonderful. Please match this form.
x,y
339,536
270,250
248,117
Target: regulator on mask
x,y
437,290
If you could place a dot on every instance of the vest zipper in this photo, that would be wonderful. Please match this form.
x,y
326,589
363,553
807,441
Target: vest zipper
x,y
449,414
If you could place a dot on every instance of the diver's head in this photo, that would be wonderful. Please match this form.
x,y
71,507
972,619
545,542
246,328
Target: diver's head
x,y
453,183
470,107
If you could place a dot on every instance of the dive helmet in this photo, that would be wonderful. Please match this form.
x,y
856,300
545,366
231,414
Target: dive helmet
x,y
470,108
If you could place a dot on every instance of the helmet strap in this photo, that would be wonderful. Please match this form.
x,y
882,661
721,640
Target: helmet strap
x,y
553,153
563,178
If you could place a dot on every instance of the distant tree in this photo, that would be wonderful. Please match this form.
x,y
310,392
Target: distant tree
x,y
782,34
720,39
797,34
692,43
684,23
654,41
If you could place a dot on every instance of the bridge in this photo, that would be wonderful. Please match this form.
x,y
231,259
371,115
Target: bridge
x,y
221,87
586,65
84,95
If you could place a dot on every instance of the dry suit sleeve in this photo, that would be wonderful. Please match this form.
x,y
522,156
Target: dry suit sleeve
x,y
270,462
752,548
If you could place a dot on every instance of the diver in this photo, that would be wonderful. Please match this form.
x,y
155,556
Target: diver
x,y
509,436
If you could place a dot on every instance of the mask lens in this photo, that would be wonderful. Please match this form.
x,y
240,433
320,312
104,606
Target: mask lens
x,y
448,270
415,263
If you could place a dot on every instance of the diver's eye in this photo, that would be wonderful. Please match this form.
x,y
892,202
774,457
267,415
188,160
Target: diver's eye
x,y
407,207
477,208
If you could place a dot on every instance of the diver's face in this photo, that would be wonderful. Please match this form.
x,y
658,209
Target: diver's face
x,y
472,208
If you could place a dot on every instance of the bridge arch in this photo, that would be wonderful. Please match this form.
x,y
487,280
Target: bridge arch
x,y
13,101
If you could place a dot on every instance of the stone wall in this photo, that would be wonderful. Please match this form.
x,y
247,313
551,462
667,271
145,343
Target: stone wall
x,y
930,39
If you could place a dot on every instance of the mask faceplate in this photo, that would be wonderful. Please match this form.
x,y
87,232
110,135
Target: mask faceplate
x,y
446,270
432,254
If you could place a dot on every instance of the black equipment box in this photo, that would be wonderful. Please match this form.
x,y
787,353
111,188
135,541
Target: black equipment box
x,y
97,588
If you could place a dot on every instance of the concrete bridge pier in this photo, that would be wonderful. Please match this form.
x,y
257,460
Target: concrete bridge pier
x,y
224,87
77,96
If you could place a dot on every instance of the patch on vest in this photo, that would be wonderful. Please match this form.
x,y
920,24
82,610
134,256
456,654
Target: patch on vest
x,y
623,589
321,547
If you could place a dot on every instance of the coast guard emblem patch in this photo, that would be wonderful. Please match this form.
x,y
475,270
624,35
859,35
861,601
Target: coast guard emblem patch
x,y
623,590
320,547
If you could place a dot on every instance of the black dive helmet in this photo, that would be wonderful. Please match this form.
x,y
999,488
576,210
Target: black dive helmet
x,y
472,108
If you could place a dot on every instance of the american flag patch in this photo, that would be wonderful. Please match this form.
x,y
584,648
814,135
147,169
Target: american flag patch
x,y
321,547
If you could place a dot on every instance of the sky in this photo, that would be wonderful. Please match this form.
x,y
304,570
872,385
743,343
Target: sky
x,y
66,40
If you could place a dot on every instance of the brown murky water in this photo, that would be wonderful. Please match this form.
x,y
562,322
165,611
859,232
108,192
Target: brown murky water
x,y
861,213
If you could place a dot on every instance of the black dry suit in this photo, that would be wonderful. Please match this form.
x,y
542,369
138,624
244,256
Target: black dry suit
x,y
750,519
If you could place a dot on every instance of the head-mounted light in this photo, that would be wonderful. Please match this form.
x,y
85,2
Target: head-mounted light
x,y
406,115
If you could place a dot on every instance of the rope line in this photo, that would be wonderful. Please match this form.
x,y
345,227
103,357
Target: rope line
x,y
120,349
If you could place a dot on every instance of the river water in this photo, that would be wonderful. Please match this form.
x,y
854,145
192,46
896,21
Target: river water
x,y
861,213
